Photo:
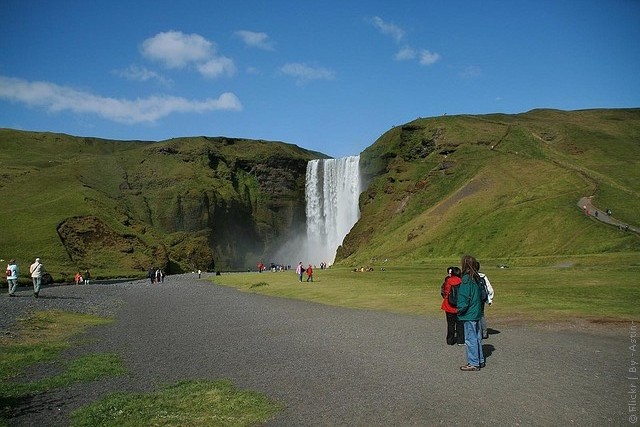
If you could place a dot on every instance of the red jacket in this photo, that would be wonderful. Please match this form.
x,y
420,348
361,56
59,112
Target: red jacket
x,y
448,283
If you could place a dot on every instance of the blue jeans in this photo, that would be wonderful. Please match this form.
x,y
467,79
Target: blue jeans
x,y
13,285
36,284
483,326
473,340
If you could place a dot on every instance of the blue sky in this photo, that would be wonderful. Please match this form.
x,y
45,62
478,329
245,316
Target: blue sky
x,y
329,76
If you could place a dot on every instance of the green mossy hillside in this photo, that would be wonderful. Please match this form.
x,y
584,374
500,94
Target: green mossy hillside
x,y
498,186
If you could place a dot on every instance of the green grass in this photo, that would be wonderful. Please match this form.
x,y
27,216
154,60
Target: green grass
x,y
87,368
187,403
548,289
42,337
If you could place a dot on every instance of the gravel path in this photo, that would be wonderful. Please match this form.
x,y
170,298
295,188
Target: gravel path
x,y
332,366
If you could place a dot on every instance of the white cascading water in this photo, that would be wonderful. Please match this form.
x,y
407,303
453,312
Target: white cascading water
x,y
332,192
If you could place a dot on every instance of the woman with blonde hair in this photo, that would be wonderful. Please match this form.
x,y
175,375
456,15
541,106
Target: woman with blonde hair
x,y
470,308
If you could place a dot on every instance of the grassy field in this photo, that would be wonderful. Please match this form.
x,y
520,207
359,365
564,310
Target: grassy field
x,y
540,289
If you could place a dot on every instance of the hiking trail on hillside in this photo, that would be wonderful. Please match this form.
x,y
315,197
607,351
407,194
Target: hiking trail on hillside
x,y
601,215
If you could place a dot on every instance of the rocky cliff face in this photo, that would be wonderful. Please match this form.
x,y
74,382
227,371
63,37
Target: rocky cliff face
x,y
226,203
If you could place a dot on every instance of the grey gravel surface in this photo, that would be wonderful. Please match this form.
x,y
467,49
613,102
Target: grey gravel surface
x,y
332,366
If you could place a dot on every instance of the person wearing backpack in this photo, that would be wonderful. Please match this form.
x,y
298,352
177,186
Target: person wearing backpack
x,y
470,306
489,299
12,277
449,291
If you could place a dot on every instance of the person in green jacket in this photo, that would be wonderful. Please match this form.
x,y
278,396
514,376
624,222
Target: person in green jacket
x,y
470,311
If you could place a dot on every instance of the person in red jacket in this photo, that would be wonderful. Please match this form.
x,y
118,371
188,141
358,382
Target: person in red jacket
x,y
309,273
455,329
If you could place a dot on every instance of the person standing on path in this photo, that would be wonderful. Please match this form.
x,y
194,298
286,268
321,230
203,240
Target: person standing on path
x,y
469,304
12,277
455,328
87,277
36,269
490,293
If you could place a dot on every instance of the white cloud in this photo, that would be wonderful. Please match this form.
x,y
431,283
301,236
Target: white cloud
x,y
405,54
176,50
425,57
428,58
141,74
57,98
254,39
304,73
217,66
470,72
388,29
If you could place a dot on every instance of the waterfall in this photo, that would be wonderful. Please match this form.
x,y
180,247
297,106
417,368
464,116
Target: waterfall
x,y
332,191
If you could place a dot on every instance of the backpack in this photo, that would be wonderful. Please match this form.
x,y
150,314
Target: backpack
x,y
453,295
484,293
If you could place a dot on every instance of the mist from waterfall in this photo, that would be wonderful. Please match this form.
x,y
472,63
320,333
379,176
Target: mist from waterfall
x,y
332,192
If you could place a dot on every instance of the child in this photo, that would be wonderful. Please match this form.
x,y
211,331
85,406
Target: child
x,y
455,330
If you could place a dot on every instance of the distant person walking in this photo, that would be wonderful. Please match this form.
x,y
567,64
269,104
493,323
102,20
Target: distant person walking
x,y
87,277
36,269
300,271
78,278
469,304
309,274
12,277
